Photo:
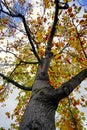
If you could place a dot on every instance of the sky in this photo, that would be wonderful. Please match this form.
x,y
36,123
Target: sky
x,y
8,106
83,2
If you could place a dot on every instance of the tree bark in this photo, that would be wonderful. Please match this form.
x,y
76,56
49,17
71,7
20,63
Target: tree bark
x,y
40,111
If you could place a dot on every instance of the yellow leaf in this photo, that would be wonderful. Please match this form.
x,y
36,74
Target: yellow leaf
x,y
1,87
69,0
82,113
7,114
39,36
1,26
85,31
58,56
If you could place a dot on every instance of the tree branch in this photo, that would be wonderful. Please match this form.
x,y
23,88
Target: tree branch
x,y
22,61
15,83
10,13
6,6
49,44
70,85
48,53
30,38
79,39
61,51
57,8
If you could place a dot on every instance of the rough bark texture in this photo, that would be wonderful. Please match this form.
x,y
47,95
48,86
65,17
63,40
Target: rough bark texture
x,y
40,111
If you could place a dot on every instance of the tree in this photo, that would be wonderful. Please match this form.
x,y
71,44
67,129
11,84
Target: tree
x,y
54,59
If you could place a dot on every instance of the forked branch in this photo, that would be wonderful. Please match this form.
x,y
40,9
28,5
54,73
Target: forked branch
x,y
58,6
13,14
48,53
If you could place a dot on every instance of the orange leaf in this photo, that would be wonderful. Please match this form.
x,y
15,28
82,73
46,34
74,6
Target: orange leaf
x,y
69,10
46,2
85,16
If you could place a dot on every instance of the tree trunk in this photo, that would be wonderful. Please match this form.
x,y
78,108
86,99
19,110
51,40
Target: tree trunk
x,y
40,111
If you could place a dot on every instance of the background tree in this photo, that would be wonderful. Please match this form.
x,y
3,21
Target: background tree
x,y
45,45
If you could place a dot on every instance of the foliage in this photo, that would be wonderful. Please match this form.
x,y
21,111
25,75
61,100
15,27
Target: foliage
x,y
69,49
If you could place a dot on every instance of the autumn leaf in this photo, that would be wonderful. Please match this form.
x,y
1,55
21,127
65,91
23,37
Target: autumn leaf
x,y
67,0
21,1
1,87
6,20
85,16
46,2
39,36
69,10
7,114
58,56
82,22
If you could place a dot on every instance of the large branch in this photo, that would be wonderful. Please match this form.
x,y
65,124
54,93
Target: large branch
x,y
30,38
70,85
48,53
49,44
15,83
53,30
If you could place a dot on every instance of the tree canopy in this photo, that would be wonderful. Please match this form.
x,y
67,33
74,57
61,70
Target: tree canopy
x,y
28,30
